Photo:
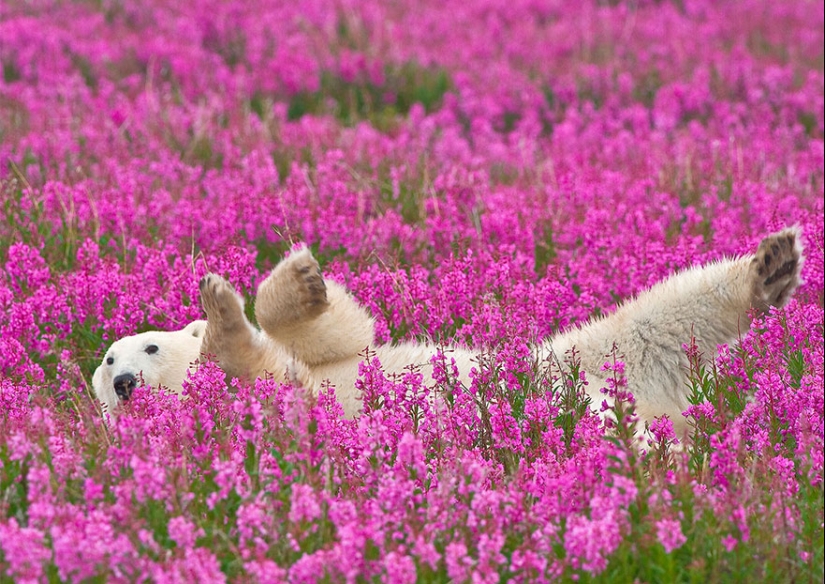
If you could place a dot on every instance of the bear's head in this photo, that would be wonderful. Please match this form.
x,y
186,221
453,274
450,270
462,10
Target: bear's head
x,y
156,357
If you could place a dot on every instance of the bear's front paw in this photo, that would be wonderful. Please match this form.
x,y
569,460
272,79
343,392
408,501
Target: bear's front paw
x,y
222,304
775,269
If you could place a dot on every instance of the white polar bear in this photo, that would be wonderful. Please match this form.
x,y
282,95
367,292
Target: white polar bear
x,y
313,331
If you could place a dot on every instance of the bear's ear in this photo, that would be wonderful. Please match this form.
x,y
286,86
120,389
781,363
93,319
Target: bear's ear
x,y
196,328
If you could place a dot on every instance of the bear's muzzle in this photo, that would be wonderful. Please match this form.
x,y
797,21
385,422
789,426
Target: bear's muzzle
x,y
125,385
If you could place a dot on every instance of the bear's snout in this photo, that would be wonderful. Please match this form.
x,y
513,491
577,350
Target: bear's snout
x,y
124,385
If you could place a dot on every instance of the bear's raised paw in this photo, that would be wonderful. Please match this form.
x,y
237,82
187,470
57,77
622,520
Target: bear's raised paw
x,y
222,304
775,269
293,293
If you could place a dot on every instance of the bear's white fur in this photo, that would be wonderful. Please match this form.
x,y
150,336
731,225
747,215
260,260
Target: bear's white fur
x,y
313,331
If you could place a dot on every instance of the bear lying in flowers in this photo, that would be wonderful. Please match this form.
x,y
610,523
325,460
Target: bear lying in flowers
x,y
314,331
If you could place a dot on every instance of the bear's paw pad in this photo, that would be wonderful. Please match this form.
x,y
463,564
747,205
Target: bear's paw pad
x,y
777,264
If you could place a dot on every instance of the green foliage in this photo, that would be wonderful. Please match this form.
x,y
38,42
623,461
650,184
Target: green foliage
x,y
364,100
646,88
14,486
11,72
545,250
811,125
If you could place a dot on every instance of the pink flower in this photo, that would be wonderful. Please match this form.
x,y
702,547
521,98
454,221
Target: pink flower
x,y
458,562
183,532
399,568
304,505
662,429
669,533
589,542
24,550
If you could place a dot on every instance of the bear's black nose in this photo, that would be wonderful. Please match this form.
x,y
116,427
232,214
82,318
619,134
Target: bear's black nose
x,y
124,385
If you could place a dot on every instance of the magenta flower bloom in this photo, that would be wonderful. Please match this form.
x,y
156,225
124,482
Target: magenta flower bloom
x,y
669,534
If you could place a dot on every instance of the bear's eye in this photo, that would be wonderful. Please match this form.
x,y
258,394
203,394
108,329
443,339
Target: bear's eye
x,y
151,349
110,360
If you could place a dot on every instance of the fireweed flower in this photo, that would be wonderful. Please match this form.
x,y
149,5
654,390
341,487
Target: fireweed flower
x,y
183,532
661,432
588,542
303,505
669,533
25,550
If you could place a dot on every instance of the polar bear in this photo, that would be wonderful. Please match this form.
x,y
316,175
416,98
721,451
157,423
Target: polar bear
x,y
313,331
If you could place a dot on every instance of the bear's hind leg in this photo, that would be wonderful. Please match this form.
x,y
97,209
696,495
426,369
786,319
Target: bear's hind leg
x,y
315,321
294,292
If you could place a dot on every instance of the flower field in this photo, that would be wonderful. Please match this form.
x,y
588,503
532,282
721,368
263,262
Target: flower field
x,y
485,173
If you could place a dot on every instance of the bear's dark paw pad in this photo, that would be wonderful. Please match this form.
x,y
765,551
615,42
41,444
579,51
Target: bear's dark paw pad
x,y
312,289
777,265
